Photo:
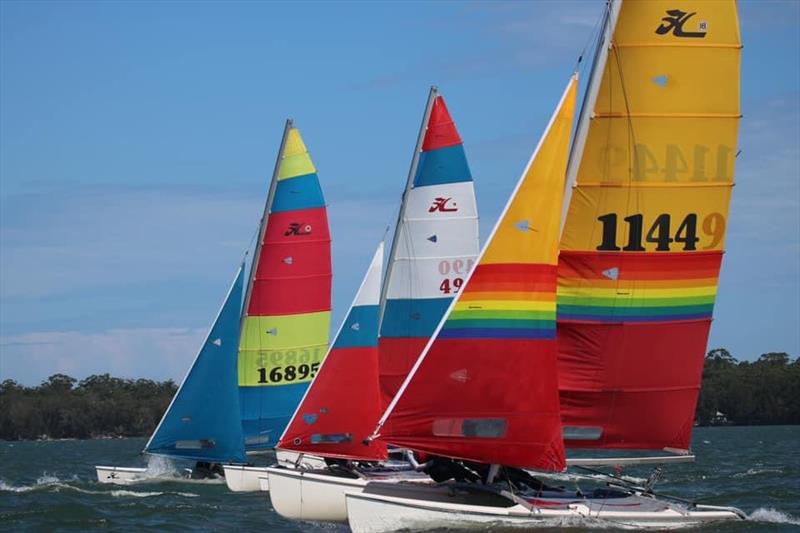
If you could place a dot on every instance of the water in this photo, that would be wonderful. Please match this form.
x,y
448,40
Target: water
x,y
51,486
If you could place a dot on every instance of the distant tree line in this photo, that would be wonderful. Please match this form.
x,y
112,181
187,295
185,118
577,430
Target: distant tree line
x,y
98,406
766,391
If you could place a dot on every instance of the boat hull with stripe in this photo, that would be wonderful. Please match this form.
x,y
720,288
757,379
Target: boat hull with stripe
x,y
424,508
242,478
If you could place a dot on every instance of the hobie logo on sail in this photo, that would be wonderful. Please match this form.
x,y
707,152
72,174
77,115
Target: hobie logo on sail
x,y
297,228
675,21
440,205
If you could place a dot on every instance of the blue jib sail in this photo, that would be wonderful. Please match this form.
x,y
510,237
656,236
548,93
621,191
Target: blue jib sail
x,y
202,422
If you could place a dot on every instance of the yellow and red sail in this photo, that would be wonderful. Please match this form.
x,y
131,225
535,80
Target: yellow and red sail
x,y
643,238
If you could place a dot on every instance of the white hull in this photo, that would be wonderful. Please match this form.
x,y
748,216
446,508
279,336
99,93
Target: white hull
x,y
119,474
240,478
243,478
320,495
425,509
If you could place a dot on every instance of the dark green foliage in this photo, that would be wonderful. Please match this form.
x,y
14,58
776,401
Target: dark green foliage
x,y
766,391
62,407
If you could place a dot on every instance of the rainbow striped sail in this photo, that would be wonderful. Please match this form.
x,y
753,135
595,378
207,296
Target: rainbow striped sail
x,y
286,318
644,234
434,247
485,388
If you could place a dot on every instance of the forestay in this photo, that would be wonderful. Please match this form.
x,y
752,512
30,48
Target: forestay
x,y
200,423
343,402
435,243
644,235
485,387
285,326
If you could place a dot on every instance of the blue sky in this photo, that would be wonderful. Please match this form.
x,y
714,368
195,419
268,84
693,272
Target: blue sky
x,y
137,140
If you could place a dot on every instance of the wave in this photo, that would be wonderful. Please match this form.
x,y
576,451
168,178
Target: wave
x,y
758,471
51,483
770,514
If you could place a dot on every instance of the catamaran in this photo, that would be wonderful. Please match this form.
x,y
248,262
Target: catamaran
x,y
600,345
434,247
243,386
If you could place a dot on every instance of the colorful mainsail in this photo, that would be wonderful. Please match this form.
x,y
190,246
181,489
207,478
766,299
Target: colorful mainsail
x,y
200,422
434,247
343,402
485,387
644,234
285,323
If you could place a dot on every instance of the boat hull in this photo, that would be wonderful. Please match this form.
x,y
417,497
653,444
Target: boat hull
x,y
425,510
119,474
320,495
241,478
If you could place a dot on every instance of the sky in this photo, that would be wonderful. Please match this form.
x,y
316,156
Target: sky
x,y
137,140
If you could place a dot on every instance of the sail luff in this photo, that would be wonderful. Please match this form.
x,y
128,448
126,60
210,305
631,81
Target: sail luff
x,y
587,107
412,171
264,219
414,369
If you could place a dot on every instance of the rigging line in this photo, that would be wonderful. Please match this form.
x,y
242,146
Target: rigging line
x,y
594,35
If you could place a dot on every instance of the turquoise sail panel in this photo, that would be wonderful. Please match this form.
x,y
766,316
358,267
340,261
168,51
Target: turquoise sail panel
x,y
202,423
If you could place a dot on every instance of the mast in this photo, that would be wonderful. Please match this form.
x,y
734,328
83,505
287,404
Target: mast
x,y
589,100
264,218
434,92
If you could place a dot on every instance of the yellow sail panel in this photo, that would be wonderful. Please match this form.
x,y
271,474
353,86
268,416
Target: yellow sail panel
x,y
532,208
643,237
676,218
285,331
295,160
612,156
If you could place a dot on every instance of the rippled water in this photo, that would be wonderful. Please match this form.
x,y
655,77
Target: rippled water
x,y
51,486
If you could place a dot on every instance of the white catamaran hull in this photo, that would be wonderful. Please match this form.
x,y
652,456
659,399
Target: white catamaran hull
x,y
320,496
119,474
240,478
375,513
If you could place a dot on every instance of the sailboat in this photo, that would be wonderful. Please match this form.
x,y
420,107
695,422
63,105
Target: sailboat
x,y
434,246
286,315
259,358
502,386
200,422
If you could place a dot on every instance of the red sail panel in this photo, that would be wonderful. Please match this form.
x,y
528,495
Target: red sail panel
x,y
294,271
397,356
340,409
481,414
442,130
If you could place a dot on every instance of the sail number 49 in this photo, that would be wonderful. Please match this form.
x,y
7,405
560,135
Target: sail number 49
x,y
660,232
287,374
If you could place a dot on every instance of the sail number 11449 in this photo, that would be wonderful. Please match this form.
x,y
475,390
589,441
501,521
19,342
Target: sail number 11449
x,y
660,232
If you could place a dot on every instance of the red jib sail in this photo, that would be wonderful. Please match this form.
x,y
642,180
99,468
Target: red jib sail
x,y
343,402
485,388
644,235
